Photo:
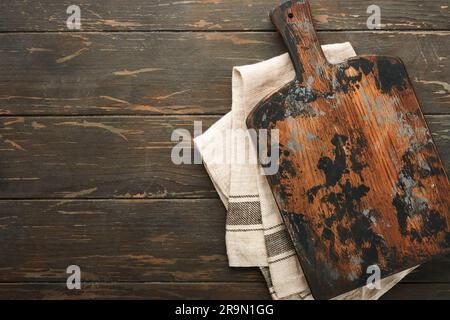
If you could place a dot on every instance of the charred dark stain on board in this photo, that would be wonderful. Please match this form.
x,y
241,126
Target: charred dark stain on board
x,y
409,205
334,169
391,74
370,187
347,217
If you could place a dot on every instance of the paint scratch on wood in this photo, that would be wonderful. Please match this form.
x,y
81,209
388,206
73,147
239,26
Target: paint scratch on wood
x,y
165,237
171,95
219,36
115,23
70,213
81,193
71,56
18,120
444,85
14,144
33,50
145,107
151,260
87,124
203,23
37,125
94,13
134,72
321,18
115,99
136,107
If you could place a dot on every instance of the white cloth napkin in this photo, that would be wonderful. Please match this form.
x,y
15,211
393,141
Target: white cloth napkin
x,y
255,233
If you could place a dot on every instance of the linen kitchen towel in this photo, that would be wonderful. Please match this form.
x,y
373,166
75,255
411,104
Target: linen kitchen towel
x,y
255,233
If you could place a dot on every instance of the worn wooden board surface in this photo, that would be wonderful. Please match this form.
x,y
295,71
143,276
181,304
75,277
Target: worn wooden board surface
x,y
127,241
50,15
50,77
175,73
196,290
115,241
144,291
100,157
112,157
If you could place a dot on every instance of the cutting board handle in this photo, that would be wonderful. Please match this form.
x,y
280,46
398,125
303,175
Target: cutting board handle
x,y
294,21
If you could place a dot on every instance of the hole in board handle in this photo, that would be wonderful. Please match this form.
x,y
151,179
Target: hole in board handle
x,y
290,15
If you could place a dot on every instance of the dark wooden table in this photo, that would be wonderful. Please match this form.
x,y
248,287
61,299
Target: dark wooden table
x,y
86,119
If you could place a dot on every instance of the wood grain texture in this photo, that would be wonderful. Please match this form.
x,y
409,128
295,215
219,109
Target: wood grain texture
x,y
189,291
129,241
100,157
360,181
178,73
112,157
116,241
112,74
435,271
428,291
50,15
140,291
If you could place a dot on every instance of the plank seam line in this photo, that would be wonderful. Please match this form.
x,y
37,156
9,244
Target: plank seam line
x,y
112,115
108,199
212,115
216,31
62,282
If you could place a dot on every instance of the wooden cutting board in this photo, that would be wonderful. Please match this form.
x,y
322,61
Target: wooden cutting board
x,y
360,181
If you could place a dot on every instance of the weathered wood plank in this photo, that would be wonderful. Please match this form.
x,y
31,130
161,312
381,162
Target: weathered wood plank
x,y
127,240
435,271
100,157
189,291
216,14
170,290
113,157
176,73
415,291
